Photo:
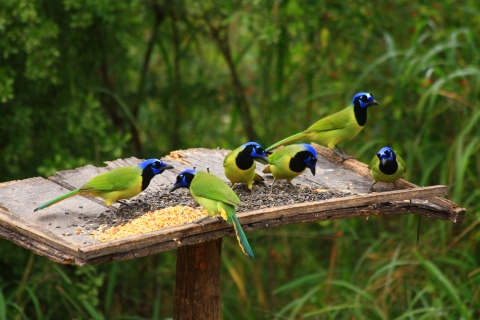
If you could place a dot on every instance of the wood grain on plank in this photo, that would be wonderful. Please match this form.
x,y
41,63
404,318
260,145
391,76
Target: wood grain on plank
x,y
18,199
257,216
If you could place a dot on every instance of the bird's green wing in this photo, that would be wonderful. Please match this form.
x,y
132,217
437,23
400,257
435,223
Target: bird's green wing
x,y
231,156
335,121
289,151
117,179
212,187
374,163
401,163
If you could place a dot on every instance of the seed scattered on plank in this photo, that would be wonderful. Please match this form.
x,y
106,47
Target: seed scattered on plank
x,y
158,210
150,221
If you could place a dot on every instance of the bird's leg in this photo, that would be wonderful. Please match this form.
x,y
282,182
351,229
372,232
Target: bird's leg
x,y
290,183
200,221
397,188
342,154
371,188
250,199
271,187
114,211
124,203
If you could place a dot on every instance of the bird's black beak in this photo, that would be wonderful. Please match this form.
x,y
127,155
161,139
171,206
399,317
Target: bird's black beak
x,y
175,187
167,167
313,170
373,103
262,160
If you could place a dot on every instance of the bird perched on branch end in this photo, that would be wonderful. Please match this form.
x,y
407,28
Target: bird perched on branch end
x,y
338,127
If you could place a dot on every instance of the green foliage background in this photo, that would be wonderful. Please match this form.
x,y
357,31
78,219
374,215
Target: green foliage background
x,y
86,81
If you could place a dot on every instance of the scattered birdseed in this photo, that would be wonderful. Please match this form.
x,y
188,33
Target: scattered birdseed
x,y
161,209
150,221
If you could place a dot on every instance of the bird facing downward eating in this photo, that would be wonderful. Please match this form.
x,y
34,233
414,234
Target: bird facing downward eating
x,y
216,197
117,184
338,127
291,161
386,166
239,165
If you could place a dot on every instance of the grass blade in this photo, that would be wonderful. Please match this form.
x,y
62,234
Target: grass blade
x,y
445,284
3,306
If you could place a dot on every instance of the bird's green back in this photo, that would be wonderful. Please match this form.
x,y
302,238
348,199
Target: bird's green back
x,y
336,121
289,151
119,179
209,186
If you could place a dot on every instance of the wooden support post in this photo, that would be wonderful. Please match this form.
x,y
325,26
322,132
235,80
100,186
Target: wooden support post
x,y
197,286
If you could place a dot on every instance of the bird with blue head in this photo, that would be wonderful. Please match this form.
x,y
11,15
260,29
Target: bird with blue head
x,y
386,166
216,197
239,165
291,161
336,128
117,184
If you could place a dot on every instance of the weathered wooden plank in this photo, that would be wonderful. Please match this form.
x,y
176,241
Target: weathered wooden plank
x,y
169,234
52,225
362,169
19,198
39,247
211,232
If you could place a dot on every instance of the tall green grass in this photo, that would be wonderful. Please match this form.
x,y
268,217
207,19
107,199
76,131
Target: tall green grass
x,y
297,61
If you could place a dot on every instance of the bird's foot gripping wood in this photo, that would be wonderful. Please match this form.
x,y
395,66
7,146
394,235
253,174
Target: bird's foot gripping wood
x,y
371,188
342,154
115,211
200,221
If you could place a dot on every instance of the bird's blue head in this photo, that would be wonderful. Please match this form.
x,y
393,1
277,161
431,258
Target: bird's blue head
x,y
364,100
154,166
306,158
184,179
386,154
255,151
310,158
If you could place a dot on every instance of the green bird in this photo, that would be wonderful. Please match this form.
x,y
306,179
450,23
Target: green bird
x,y
338,127
216,197
239,164
386,166
119,183
291,161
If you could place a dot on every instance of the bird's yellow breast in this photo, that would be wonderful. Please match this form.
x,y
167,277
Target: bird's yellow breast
x,y
236,175
281,169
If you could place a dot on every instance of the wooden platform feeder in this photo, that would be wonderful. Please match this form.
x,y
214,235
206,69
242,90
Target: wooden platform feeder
x,y
51,232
